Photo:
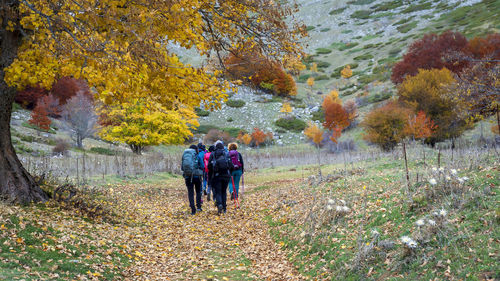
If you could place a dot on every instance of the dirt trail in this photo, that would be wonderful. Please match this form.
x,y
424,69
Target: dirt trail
x,y
173,245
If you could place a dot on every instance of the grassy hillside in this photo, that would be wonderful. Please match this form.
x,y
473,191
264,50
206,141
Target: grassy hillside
x,y
369,35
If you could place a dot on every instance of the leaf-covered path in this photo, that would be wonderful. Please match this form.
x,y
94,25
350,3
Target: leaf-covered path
x,y
170,244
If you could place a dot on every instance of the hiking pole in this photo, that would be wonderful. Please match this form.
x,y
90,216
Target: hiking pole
x,y
242,184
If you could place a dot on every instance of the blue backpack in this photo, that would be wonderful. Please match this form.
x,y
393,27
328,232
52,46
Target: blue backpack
x,y
190,167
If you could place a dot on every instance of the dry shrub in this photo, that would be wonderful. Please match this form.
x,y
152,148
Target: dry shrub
x,y
61,147
213,135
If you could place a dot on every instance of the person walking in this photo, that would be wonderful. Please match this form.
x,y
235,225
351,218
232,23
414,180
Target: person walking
x,y
192,169
238,170
219,168
208,179
201,152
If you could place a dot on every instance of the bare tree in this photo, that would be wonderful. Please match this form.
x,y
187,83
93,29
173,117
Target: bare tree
x,y
80,117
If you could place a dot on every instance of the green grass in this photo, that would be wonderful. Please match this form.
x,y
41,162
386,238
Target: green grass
x,y
235,103
465,250
391,5
291,124
323,51
405,28
361,14
337,11
201,112
418,7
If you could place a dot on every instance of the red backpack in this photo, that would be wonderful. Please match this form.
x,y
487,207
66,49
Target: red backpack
x,y
234,155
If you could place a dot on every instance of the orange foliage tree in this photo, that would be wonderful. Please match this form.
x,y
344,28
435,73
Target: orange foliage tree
x,y
250,66
258,137
244,138
419,126
335,115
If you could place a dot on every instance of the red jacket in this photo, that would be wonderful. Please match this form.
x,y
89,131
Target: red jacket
x,y
205,160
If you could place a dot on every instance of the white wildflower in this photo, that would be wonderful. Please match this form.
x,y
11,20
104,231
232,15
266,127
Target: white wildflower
x,y
342,201
434,169
433,181
460,180
420,222
406,239
448,178
435,213
453,171
412,244
331,201
338,208
443,212
441,169
329,207
431,222
346,209
375,232
465,178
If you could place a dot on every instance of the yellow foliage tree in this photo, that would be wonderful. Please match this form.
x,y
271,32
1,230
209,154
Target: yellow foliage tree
x,y
314,67
121,49
314,133
139,124
346,72
286,108
428,91
334,97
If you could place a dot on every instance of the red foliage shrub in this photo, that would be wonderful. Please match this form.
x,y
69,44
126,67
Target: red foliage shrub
x,y
39,117
28,97
429,52
485,47
51,105
67,87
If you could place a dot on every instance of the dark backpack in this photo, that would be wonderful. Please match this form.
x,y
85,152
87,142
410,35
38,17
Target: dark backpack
x,y
235,159
221,162
190,165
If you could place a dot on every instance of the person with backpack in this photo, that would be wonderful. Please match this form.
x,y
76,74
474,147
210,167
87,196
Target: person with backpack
x,y
219,168
192,169
201,152
208,181
238,170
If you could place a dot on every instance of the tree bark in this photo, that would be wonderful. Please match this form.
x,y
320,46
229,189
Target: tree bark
x,y
137,149
16,184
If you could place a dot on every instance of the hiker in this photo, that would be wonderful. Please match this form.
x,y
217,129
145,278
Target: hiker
x,y
219,168
192,169
208,181
238,170
201,152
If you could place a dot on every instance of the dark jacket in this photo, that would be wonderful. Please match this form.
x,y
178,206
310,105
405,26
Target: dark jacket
x,y
211,160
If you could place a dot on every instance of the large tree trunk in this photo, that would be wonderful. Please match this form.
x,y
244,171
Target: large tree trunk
x,y
16,184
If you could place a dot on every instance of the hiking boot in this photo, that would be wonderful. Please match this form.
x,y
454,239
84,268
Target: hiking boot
x,y
199,210
208,198
193,212
219,209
